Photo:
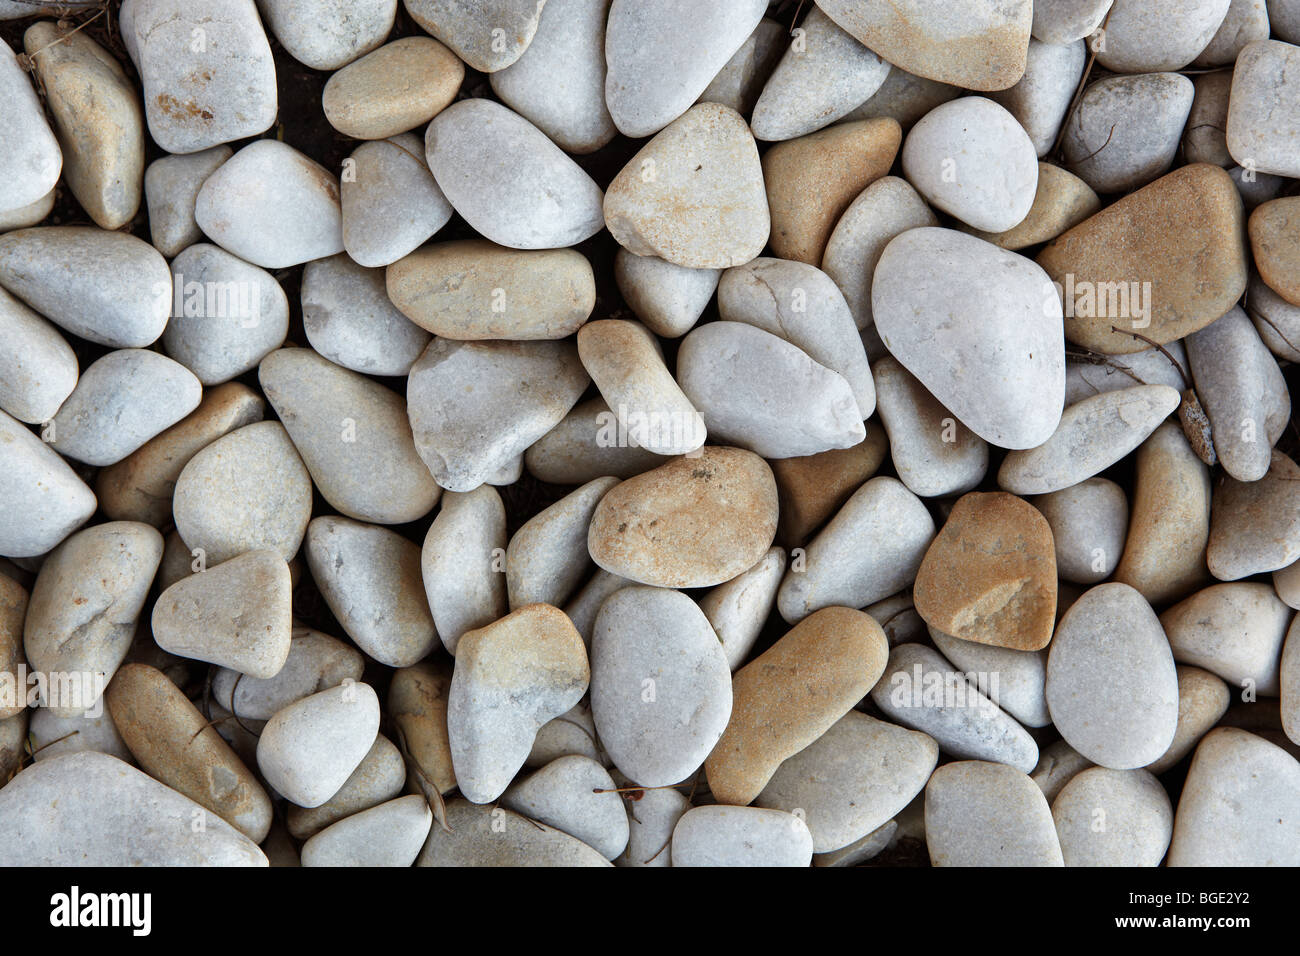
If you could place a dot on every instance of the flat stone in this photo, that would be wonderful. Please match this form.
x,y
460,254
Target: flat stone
x,y
1255,526
1113,818
458,563
378,778
988,814
32,160
1262,134
391,202
38,369
585,445
1021,675
488,836
574,794
1235,631
316,662
738,609
171,191
330,35
719,836
489,35
1062,21
1089,522
42,500
1159,34
547,557
398,87
668,299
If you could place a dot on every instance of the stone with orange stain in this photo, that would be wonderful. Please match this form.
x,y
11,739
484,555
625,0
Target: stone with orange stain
x,y
1275,242
811,181
398,87
793,693
990,574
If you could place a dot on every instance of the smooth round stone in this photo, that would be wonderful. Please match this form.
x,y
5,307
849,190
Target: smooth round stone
x,y
29,215
749,385
1040,100
972,159
349,319
1021,675
391,202
1058,764
1062,21
988,814
1113,818
489,35
979,45
1242,391
558,84
97,117
472,289
1284,19
660,685
206,67
330,35
1111,684
38,369
738,609
1093,435
272,206
717,836
42,500
52,736
171,191
1166,260
511,677
1262,134
904,97
852,779
790,695
1245,22
490,836
1126,129
417,699
234,615
541,199
1202,699
694,195
177,746
316,662
823,76
353,434
661,57
870,549
247,490
1204,138
108,287
1009,388
651,828
1275,245
121,401
693,522
547,557
1083,379
740,83
921,690
585,445
885,209
1255,526
459,563
801,304
475,407
626,363
379,778
1062,202
390,834
1145,36
32,160
574,794
90,809
812,180
1088,522
227,315
668,299
308,750
398,87
1235,631
1289,686
1240,805
370,578
933,453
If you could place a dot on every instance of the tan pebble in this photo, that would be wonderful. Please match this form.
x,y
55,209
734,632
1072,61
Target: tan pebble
x,y
813,487
417,699
1062,201
396,88
1275,243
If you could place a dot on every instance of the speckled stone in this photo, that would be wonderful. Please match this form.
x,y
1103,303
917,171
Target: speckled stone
x,y
988,814
1113,818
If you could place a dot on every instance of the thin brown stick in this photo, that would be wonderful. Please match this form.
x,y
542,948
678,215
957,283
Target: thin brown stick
x,y
1163,351
1078,92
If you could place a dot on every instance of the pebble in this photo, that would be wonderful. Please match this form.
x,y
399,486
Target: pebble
x,y
1284,19
1235,631
547,557
228,315
488,836
417,699
812,180
42,500
1261,134
661,692
33,160
108,287
1063,21
51,736
1058,764
379,778
13,611
651,828
897,616
13,743
272,206
1093,435
1275,247
668,299
690,523
247,490
38,369
511,677
353,435
1149,367
870,549
539,199
988,814
1021,675
860,851
573,732
740,83
331,35
1111,684
488,35
1153,35
1089,522
853,779
1202,700
904,97
738,609
1245,22
921,690
979,46
391,202
398,87
790,695
574,794
694,195
171,192
90,809
992,354
370,578
390,834
1040,99
1113,818
1255,526
201,94
308,750
1240,805
458,563
1289,686
822,77
316,662
475,407
349,319
1204,139
584,446
717,836
28,215
234,615
1286,582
